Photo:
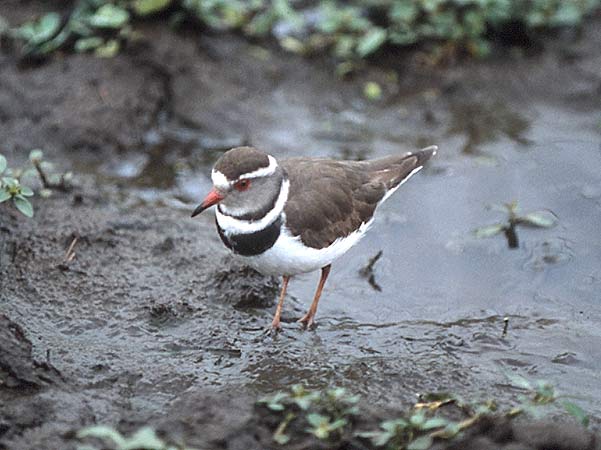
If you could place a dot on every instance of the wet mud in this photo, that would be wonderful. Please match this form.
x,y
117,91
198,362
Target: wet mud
x,y
152,322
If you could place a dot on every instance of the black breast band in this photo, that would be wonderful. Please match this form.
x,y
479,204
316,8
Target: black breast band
x,y
252,244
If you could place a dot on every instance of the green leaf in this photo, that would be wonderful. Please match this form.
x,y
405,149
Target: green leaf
x,y
421,443
102,432
316,419
45,193
48,26
3,164
450,431
382,439
435,422
145,438
379,438
393,425
108,50
292,45
281,438
340,423
275,399
36,155
23,205
303,402
541,219
372,41
321,432
4,195
41,31
372,90
109,16
489,230
10,182
577,412
147,7
275,406
418,419
86,44
26,191
337,393
54,178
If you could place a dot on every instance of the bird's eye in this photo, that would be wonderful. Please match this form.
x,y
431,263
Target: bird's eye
x,y
242,185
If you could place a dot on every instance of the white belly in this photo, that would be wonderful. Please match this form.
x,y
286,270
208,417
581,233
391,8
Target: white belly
x,y
289,256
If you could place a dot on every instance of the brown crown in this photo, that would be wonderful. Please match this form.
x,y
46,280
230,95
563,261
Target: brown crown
x,y
241,160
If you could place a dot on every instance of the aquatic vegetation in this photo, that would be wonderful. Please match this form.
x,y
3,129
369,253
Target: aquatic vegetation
x,y
537,219
348,30
13,189
334,414
324,414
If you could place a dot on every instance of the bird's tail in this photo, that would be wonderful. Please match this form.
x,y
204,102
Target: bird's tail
x,y
395,170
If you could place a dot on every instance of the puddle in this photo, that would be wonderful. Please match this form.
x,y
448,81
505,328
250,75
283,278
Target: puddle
x,y
429,264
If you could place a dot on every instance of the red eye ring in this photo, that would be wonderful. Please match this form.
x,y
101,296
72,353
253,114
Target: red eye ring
x,y
242,185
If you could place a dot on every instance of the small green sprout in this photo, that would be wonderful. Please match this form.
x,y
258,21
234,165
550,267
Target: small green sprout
x,y
143,439
11,189
280,435
543,393
537,219
410,432
322,426
302,397
60,182
328,415
339,403
326,411
390,429
276,402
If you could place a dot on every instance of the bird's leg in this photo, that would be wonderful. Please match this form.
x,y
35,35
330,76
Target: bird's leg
x,y
275,324
308,319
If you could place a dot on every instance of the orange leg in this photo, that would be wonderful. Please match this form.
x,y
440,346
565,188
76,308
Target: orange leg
x,y
275,324
309,318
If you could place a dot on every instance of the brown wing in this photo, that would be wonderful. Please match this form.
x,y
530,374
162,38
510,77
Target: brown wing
x,y
329,199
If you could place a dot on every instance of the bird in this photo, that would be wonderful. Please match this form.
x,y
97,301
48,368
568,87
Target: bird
x,y
300,214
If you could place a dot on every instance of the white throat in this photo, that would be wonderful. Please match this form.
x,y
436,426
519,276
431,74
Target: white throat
x,y
231,225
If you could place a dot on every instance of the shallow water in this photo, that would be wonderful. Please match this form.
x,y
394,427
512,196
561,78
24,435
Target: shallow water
x,y
437,323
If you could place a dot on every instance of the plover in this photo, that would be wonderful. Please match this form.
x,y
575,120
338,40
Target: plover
x,y
300,214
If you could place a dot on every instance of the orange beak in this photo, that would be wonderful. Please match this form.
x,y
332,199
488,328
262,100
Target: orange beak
x,y
212,198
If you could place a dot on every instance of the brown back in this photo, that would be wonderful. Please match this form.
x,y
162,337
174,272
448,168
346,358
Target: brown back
x,y
330,199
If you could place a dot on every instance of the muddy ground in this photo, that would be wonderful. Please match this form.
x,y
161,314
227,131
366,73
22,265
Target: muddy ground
x,y
154,323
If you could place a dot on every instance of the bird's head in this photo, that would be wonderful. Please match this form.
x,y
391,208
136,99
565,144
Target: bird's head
x,y
246,181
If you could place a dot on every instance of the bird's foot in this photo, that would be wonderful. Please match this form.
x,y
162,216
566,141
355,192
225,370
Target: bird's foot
x,y
308,320
274,328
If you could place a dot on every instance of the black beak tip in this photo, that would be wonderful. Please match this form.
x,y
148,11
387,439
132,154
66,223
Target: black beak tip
x,y
197,211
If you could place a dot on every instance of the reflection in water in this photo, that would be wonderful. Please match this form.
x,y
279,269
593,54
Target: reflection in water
x,y
486,121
